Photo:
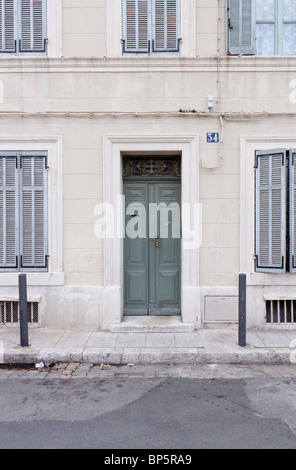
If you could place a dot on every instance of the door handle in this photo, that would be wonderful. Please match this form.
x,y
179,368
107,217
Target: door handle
x,y
157,242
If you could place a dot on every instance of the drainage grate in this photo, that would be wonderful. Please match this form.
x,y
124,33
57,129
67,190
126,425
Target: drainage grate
x,y
9,312
281,311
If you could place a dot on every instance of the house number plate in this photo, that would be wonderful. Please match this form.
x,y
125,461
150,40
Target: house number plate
x,y
213,137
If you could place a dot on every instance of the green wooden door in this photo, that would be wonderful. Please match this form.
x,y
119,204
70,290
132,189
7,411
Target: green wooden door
x,y
152,248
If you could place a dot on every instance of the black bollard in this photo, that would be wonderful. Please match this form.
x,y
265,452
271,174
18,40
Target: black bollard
x,y
23,311
242,323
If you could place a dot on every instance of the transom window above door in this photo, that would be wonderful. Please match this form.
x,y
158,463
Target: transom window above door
x,y
151,26
23,27
262,27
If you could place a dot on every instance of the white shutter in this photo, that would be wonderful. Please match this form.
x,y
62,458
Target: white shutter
x,y
8,212
32,25
292,209
166,25
136,25
7,26
270,198
241,26
33,212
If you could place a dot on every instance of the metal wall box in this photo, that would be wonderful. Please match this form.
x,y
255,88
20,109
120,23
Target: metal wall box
x,y
220,309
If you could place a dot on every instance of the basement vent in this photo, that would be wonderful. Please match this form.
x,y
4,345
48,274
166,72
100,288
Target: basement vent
x,y
281,311
9,312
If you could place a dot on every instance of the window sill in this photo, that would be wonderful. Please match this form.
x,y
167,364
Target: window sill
x,y
262,56
23,55
33,279
271,279
151,54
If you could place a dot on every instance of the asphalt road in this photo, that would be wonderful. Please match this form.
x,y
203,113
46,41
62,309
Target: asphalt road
x,y
174,408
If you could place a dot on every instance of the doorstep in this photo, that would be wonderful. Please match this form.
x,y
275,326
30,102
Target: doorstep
x,y
148,324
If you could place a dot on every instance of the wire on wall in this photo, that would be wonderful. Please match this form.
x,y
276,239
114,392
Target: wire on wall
x,y
228,116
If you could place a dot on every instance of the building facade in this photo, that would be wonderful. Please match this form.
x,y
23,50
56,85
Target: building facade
x,y
110,108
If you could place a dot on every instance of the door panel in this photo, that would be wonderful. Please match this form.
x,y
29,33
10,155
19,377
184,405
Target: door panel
x,y
164,260
152,266
135,256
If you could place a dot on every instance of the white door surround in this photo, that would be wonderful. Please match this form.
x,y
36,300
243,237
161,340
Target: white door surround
x,y
114,147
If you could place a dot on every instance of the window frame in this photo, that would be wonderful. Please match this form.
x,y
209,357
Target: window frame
x,y
18,52
279,23
236,23
54,148
53,33
187,32
246,208
19,212
292,210
270,187
151,33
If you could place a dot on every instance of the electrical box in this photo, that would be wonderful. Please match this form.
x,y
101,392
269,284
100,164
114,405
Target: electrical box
x,y
221,309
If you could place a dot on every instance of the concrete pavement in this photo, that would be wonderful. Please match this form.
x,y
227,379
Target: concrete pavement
x,y
203,346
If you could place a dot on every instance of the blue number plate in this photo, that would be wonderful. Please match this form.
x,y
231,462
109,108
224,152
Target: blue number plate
x,y
213,137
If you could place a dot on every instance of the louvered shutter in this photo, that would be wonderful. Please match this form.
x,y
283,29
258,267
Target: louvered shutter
x,y
241,26
7,26
8,212
270,170
136,28
32,25
292,208
166,25
33,212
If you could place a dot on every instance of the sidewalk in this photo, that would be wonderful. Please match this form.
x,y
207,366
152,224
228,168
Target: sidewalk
x,y
203,346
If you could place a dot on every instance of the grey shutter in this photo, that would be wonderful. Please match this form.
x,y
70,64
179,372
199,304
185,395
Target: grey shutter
x,y
241,26
136,28
7,26
33,212
166,25
270,170
32,25
8,212
292,209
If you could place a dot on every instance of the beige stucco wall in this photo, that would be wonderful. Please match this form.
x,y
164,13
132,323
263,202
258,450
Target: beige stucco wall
x,y
83,82
85,27
150,92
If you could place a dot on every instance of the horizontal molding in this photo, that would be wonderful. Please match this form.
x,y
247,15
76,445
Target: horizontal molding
x,y
147,64
33,279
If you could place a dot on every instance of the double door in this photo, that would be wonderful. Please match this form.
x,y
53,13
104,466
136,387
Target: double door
x,y
152,248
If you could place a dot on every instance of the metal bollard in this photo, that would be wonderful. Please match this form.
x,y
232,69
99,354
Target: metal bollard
x,y
23,311
242,323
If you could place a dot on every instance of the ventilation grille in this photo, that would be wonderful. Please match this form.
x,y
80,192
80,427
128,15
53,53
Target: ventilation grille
x,y
281,312
9,312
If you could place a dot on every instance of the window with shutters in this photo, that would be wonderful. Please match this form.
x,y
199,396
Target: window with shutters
x,y
23,27
151,26
23,211
275,201
262,27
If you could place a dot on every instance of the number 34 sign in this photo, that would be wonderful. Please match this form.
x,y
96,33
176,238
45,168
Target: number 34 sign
x,y
213,137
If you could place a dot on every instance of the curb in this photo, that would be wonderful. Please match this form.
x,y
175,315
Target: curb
x,y
123,356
